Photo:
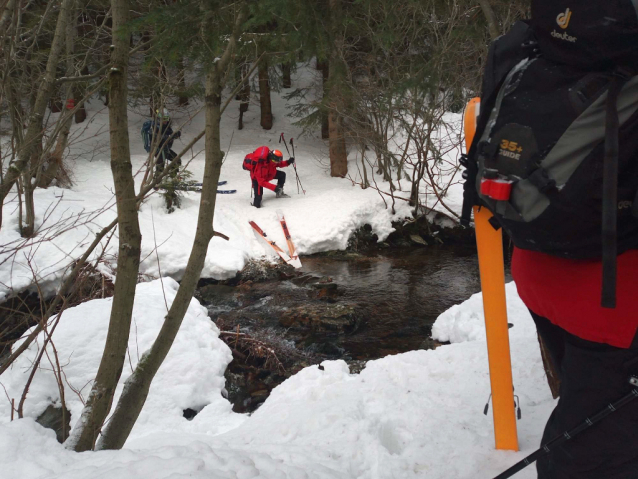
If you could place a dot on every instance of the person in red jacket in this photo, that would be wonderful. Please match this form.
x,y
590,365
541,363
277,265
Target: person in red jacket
x,y
594,350
262,164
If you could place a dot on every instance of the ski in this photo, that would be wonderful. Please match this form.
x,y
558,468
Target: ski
x,y
282,254
198,189
294,257
193,183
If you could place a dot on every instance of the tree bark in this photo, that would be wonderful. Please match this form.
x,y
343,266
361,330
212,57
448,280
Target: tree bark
x,y
99,402
137,386
286,70
54,161
33,135
7,14
337,141
182,99
244,93
264,96
325,72
553,377
488,11
337,146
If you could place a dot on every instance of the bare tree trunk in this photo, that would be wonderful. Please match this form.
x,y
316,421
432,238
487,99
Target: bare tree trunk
x,y
137,386
182,99
337,146
99,402
337,140
553,378
244,93
325,72
33,134
488,11
28,228
7,13
54,161
78,92
264,96
286,80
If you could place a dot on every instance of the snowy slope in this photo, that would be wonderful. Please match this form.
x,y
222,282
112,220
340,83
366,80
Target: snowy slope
x,y
191,376
320,220
412,415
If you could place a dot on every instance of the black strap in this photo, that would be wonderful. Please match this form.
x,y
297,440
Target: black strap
x,y
610,194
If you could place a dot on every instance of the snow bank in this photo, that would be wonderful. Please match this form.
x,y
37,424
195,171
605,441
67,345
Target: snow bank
x,y
466,321
190,377
411,415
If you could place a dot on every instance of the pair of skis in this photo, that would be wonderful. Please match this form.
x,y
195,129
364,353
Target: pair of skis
x,y
197,186
292,257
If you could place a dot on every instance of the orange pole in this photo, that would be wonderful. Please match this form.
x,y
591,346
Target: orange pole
x,y
489,243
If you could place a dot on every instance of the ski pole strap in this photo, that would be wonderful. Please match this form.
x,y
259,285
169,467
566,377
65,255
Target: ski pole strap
x,y
567,435
610,194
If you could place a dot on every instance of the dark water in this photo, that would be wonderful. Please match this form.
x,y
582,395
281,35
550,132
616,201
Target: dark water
x,y
400,294
393,298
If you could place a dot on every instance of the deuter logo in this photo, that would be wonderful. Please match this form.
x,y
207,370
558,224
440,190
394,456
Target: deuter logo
x,y
563,19
564,36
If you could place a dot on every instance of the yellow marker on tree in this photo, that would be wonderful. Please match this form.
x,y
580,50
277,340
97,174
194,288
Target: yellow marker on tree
x,y
489,242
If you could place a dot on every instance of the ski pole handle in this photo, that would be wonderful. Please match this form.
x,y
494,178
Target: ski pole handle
x,y
281,137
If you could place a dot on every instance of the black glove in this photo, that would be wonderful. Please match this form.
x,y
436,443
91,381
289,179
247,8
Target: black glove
x,y
178,134
291,160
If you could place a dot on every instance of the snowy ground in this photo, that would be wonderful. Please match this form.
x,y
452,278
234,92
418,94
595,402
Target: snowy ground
x,y
320,220
417,414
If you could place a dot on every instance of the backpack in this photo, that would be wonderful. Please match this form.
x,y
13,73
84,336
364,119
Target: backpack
x,y
555,154
146,134
251,159
249,164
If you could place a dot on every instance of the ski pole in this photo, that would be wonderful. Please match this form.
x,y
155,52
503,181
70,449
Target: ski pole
x,y
281,137
567,435
294,165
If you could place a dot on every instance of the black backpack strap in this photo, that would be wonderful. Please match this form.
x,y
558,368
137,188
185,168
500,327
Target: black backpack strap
x,y
505,52
610,192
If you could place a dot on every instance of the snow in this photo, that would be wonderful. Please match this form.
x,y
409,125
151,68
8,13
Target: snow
x,y
190,377
417,414
321,220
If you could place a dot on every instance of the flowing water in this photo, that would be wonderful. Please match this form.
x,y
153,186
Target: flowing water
x,y
400,294
344,306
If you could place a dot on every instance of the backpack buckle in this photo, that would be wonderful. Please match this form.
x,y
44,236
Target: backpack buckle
x,y
542,181
498,189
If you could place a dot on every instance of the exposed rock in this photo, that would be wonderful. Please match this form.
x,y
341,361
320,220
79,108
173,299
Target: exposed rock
x,y
418,240
259,271
430,343
324,317
53,418
189,413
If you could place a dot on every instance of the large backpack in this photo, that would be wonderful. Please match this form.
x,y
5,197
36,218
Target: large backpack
x,y
555,155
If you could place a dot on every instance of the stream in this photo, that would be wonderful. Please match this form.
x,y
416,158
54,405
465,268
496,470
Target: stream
x,y
354,307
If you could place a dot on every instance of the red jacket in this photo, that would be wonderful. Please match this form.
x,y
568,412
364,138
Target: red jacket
x,y
567,292
263,170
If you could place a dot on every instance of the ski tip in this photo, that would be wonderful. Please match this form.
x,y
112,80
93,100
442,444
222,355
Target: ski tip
x,y
295,262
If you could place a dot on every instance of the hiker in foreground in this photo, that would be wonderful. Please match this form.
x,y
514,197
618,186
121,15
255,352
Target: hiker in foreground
x,y
555,159
263,165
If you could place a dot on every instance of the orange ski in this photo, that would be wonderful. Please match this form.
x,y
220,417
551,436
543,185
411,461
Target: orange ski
x,y
282,254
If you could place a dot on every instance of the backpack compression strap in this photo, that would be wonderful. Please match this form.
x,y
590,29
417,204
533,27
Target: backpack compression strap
x,y
610,192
